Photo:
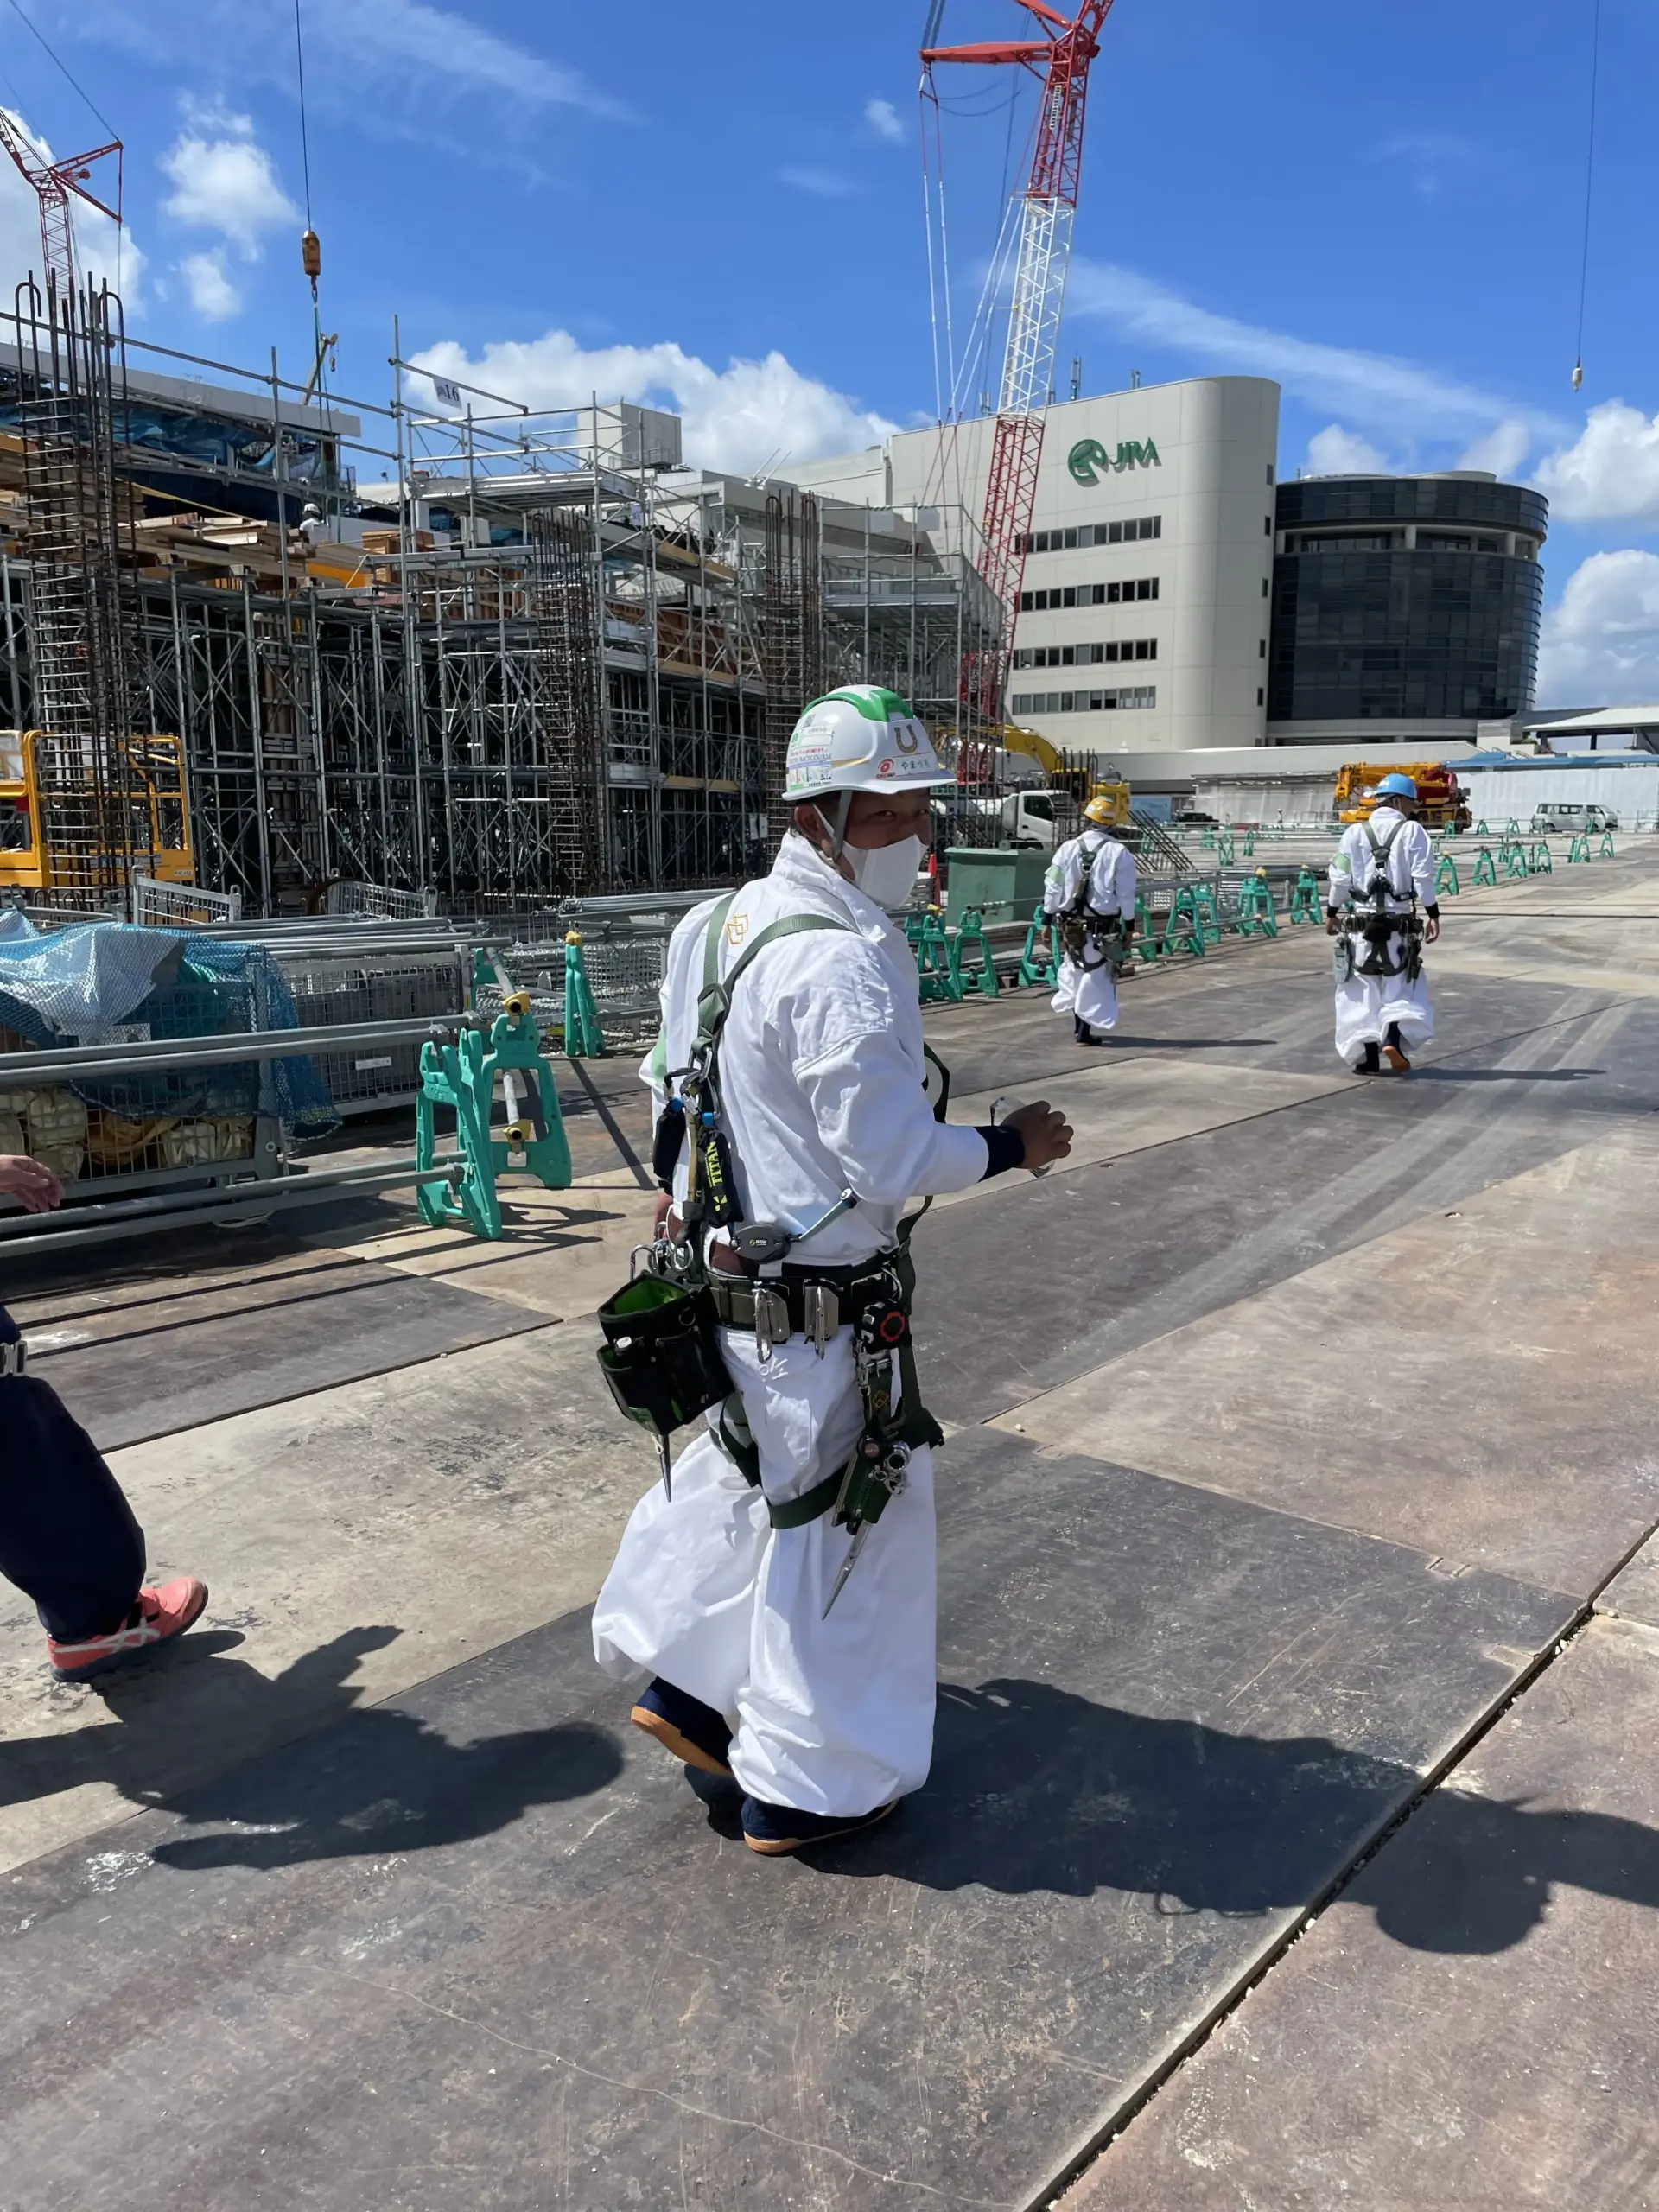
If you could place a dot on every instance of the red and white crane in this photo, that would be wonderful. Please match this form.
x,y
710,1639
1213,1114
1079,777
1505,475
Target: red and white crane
x,y
1060,54
52,183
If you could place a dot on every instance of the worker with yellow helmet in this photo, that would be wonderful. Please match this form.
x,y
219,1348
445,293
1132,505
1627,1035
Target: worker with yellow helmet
x,y
1090,892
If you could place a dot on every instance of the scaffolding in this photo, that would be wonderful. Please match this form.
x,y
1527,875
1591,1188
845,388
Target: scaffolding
x,y
537,659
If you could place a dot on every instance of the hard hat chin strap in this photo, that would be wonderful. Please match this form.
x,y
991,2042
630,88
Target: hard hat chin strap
x,y
835,822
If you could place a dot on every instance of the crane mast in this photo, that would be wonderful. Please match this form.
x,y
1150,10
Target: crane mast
x,y
1061,56
51,182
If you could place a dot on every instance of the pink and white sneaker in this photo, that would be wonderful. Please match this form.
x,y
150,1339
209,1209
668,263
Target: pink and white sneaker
x,y
158,1616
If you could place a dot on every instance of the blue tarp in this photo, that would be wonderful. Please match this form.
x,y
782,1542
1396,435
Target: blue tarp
x,y
101,982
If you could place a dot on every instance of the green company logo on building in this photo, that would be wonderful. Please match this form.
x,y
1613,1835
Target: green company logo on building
x,y
1089,454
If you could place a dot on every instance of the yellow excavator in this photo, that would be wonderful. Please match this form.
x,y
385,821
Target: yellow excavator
x,y
1066,773
55,832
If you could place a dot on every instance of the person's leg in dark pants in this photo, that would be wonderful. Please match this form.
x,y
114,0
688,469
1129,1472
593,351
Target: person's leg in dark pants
x,y
69,1539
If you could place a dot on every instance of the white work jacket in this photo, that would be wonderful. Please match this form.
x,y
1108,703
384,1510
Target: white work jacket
x,y
1111,875
1409,867
821,1061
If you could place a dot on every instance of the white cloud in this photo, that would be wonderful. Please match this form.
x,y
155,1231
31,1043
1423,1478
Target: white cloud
x,y
1610,474
1432,158
1600,646
408,44
1335,452
823,184
228,185
1503,449
103,249
212,293
1374,389
883,118
738,417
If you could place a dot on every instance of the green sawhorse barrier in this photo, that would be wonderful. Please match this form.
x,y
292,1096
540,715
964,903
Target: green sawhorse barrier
x,y
1184,931
1609,851
1040,963
584,1040
1256,917
458,1069
1578,850
935,970
980,981
1224,849
1249,844
1304,898
1513,855
1206,912
1148,945
1446,876
1538,859
1485,869
1207,842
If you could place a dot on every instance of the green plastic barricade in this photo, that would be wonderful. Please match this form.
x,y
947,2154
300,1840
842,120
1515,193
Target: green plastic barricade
x,y
1304,898
1485,870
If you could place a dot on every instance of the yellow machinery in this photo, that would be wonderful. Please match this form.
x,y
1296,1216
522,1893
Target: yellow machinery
x,y
1067,772
59,832
1444,803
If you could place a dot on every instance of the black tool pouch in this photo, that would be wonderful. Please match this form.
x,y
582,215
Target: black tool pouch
x,y
661,1357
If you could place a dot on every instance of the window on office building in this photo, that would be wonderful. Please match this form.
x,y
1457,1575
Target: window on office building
x,y
1095,533
1117,593
1082,702
1116,649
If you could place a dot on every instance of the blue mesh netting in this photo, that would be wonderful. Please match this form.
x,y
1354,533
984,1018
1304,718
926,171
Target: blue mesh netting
x,y
104,981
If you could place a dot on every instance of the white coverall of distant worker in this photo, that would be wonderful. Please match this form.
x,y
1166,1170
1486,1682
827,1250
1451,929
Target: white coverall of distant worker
x,y
1384,871
1090,891
817,1704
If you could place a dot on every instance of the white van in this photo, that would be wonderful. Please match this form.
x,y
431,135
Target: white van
x,y
1573,821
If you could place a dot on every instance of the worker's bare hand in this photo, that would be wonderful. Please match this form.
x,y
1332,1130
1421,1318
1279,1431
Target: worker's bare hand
x,y
1047,1131
1431,928
36,1189
1332,926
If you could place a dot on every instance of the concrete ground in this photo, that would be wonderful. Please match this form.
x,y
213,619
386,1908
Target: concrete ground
x,y
1292,1840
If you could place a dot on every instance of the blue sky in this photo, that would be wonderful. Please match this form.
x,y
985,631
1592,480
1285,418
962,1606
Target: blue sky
x,y
1382,206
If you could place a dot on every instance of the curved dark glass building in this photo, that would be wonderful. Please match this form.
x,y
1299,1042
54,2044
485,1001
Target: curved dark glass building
x,y
1403,605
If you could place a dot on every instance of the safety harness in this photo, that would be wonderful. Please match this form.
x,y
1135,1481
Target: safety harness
x,y
661,1358
1369,918
1092,939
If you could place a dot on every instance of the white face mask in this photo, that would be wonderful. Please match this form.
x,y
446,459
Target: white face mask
x,y
887,874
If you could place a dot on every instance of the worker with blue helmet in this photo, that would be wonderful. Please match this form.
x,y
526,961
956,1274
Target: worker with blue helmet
x,y
1382,910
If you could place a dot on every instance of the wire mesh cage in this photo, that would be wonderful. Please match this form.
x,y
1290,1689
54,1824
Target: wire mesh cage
x,y
332,992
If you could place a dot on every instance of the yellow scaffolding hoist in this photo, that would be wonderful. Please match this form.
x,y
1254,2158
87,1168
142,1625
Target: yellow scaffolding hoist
x,y
59,832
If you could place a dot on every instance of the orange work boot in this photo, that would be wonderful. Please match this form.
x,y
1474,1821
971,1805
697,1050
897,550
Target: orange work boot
x,y
158,1616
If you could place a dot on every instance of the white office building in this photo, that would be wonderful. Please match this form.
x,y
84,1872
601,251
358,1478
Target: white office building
x,y
1143,620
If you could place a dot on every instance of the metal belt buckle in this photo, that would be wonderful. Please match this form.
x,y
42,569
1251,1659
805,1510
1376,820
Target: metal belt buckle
x,y
771,1320
13,1358
821,1310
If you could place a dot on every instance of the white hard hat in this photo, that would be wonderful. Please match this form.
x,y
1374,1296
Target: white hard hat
x,y
860,738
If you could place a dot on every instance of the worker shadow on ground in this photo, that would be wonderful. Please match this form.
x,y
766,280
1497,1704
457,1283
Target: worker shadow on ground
x,y
372,1780
1435,1072
1036,1788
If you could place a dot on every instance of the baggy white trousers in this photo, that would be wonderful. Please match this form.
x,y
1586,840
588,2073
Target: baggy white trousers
x,y
1367,1004
830,1716
1091,993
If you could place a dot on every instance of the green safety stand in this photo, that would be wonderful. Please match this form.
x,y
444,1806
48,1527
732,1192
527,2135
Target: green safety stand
x,y
1512,828
981,981
1607,848
1206,912
1256,917
1249,844
584,1040
1185,932
1040,963
1578,850
1304,898
935,970
1224,849
1538,859
458,1070
1481,831
1207,842
1146,946
1485,871
1514,857
1446,876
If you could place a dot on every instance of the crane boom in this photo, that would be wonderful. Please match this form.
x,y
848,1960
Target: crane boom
x,y
52,183
1061,56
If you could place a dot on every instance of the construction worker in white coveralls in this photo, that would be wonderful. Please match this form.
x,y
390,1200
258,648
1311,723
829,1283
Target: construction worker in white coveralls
x,y
1090,891
1382,873
809,1688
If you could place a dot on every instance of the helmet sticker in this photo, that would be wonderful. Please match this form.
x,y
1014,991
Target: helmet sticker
x,y
906,736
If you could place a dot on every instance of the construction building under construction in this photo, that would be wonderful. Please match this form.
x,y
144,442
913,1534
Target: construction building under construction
x,y
277,639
